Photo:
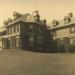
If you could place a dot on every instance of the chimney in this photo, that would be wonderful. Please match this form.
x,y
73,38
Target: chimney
x,y
44,21
37,17
70,15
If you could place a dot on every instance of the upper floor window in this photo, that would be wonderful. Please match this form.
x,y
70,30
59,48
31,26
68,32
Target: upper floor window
x,y
31,38
72,30
40,41
31,27
14,28
39,30
54,33
39,38
9,30
17,28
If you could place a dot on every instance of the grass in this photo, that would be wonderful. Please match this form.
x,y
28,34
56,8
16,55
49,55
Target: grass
x,y
18,62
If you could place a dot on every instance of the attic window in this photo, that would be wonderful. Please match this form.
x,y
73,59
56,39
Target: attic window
x,y
16,15
55,23
67,20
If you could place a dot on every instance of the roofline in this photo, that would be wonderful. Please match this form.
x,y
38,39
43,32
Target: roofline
x,y
19,20
64,26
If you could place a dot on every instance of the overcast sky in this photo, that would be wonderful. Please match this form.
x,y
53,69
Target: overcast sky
x,y
48,9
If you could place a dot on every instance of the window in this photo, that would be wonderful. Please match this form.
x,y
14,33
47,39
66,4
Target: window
x,y
14,28
40,41
39,30
17,42
17,28
31,27
55,23
72,42
9,30
54,33
72,30
67,20
31,44
39,38
31,38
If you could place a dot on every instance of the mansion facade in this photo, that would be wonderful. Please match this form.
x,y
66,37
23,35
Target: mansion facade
x,y
27,32
63,32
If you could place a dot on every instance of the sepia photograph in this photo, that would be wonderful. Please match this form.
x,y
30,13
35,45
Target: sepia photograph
x,y
37,37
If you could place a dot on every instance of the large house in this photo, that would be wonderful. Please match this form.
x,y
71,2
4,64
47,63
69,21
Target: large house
x,y
26,31
63,32
29,32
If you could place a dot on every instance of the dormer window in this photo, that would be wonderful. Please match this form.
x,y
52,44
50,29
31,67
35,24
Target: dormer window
x,y
55,23
9,20
16,15
5,23
67,20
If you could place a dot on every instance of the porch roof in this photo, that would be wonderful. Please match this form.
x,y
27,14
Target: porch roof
x,y
5,36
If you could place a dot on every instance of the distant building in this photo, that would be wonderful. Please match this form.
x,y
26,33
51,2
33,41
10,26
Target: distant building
x,y
26,31
63,32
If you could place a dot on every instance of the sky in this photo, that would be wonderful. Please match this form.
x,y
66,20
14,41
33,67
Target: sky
x,y
48,9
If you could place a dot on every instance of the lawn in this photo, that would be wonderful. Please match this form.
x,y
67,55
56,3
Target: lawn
x,y
18,62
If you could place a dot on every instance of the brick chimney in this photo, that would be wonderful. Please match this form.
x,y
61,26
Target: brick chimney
x,y
70,15
37,17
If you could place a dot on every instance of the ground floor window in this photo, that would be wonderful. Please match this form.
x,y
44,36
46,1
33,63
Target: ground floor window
x,y
17,42
14,42
72,41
